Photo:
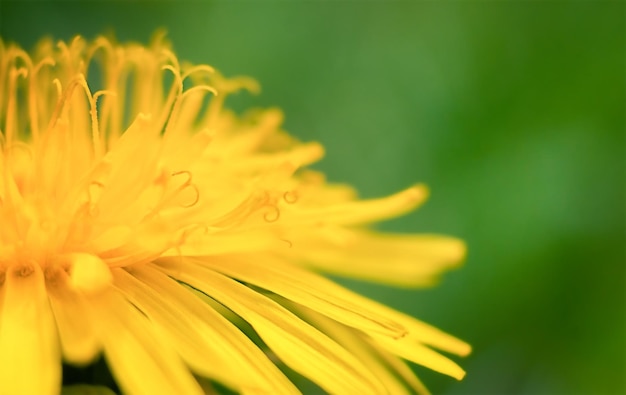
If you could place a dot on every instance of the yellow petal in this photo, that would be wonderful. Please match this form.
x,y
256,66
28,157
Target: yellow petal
x,y
402,370
421,332
299,345
259,125
141,361
400,260
354,342
417,331
124,185
302,155
77,336
408,346
316,292
361,212
200,243
420,354
208,343
29,357
303,287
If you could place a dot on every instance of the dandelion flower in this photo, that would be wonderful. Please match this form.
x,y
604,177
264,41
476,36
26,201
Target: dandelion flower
x,y
143,221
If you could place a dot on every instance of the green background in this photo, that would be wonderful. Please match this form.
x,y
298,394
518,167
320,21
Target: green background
x,y
512,112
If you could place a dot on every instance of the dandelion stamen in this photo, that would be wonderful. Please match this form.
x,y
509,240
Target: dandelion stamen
x,y
10,123
32,96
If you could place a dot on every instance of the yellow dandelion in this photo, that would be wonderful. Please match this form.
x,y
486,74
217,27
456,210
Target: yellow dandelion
x,y
144,221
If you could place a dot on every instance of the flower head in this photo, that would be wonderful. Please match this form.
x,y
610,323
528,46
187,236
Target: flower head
x,y
142,220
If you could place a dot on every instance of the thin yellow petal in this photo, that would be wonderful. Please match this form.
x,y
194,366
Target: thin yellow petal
x,y
200,243
124,184
261,125
207,342
402,370
299,345
361,212
77,336
417,331
421,332
310,282
401,260
303,287
141,361
302,155
420,354
29,358
354,342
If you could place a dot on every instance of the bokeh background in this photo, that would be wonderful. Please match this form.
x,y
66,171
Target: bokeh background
x,y
512,112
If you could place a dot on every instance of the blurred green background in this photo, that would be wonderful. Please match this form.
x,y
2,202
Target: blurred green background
x,y
512,112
